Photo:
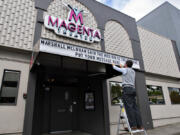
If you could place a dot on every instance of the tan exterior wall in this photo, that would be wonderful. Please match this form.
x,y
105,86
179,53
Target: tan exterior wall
x,y
12,117
168,113
117,40
158,54
17,23
57,9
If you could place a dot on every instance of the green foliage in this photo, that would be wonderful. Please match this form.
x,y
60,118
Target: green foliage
x,y
154,100
155,94
116,93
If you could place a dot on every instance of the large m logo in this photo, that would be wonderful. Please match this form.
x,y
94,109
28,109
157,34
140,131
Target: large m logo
x,y
76,15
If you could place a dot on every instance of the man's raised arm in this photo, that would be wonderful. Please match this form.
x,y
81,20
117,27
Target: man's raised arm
x,y
122,70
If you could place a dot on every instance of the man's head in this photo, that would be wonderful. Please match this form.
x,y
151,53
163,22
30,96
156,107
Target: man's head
x,y
129,63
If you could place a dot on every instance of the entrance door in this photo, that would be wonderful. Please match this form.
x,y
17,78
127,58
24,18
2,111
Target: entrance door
x,y
62,109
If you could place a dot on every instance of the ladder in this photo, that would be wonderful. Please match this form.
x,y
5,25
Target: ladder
x,y
123,115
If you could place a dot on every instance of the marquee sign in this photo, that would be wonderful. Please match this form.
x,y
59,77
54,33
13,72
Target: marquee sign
x,y
59,48
73,27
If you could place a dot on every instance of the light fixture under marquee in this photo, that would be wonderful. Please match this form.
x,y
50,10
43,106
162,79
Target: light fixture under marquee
x,y
73,27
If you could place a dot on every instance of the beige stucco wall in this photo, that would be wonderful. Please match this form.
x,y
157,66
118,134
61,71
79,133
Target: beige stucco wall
x,y
158,54
12,117
117,40
17,23
168,113
57,9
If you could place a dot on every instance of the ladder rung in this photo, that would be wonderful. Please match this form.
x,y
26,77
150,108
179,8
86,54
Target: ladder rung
x,y
137,131
133,131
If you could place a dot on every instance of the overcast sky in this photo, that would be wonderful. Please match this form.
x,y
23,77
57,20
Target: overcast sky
x,y
137,8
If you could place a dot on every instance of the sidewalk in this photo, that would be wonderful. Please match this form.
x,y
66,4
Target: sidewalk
x,y
173,129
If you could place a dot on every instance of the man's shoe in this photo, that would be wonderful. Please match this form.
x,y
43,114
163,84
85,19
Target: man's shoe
x,y
134,128
140,128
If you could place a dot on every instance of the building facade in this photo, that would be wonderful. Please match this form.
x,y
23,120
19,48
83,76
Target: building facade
x,y
56,71
164,20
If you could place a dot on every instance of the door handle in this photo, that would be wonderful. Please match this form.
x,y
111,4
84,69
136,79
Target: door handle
x,y
61,110
74,103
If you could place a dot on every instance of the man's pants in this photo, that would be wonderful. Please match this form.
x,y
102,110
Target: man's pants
x,y
129,100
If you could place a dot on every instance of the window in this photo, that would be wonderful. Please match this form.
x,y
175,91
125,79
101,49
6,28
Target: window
x,y
116,92
9,87
155,94
174,95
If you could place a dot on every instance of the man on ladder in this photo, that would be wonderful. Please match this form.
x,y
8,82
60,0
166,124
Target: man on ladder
x,y
129,95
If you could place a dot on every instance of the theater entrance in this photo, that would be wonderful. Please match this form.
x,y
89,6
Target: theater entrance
x,y
72,104
75,105
70,97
